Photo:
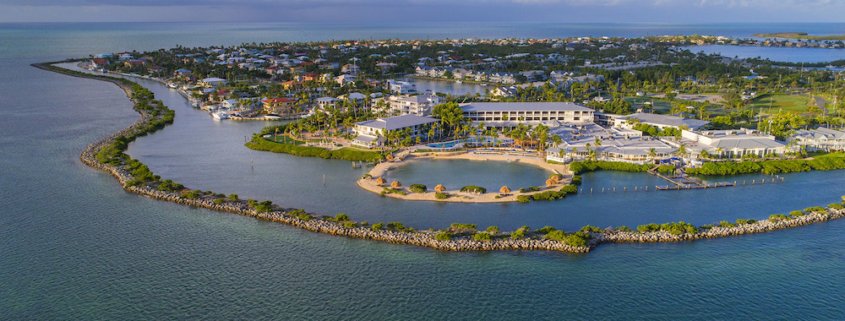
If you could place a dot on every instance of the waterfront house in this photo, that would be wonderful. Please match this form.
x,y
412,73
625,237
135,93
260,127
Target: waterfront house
x,y
402,87
510,114
282,106
371,133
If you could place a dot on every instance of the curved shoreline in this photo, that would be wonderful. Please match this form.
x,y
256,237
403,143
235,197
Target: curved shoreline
x,y
498,241
456,196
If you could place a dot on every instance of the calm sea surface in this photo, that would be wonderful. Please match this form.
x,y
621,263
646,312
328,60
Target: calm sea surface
x,y
75,246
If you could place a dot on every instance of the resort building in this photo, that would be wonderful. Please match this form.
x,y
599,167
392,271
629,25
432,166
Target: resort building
x,y
420,105
371,133
612,144
278,106
510,114
821,138
656,120
733,143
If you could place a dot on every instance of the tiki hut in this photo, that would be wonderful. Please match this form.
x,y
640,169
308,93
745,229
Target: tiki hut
x,y
440,188
556,178
389,157
551,182
380,181
395,184
504,190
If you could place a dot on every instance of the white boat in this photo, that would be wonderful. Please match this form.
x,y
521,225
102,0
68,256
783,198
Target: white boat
x,y
172,85
220,115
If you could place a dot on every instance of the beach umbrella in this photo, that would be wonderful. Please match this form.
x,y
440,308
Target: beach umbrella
x,y
550,182
395,184
389,157
380,181
504,190
440,188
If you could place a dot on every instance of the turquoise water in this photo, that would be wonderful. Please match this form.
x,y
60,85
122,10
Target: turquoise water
x,y
457,173
75,246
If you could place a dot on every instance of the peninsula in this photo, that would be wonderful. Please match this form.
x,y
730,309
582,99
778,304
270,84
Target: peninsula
x,y
606,104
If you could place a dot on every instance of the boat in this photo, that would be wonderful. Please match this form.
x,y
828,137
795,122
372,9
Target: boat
x,y
172,85
220,115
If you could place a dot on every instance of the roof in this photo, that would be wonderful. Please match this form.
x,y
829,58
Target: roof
x,y
523,106
398,122
820,133
667,120
326,99
213,79
746,143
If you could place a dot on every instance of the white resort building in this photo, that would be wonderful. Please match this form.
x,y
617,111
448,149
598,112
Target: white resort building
x,y
612,144
420,105
371,133
821,138
656,120
510,114
733,143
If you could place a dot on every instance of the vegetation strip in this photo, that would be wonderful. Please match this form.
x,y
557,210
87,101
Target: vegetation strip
x,y
108,155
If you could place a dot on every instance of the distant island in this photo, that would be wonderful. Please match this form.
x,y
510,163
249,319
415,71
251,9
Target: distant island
x,y
799,35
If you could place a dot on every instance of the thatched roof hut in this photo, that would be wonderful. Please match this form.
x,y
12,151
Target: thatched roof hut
x,y
504,190
395,184
380,181
551,182
440,188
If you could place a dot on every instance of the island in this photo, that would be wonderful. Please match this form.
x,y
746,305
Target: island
x,y
636,105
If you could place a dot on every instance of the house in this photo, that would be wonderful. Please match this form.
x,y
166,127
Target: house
x,y
824,139
510,114
402,87
350,69
346,79
503,92
99,62
372,133
326,102
212,82
279,106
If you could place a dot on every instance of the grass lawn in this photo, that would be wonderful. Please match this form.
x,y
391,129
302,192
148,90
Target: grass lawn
x,y
773,103
284,139
660,106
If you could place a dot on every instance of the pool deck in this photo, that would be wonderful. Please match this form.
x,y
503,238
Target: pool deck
x,y
456,195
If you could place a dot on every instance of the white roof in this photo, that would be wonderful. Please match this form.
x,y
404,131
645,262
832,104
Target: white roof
x,y
667,120
523,106
398,122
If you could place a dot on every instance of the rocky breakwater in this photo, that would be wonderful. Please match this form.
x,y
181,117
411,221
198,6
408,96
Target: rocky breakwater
x,y
817,215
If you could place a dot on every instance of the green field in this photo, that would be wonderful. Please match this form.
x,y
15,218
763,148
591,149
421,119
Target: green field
x,y
660,106
773,103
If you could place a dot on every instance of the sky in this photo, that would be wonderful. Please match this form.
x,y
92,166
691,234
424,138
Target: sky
x,y
350,11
